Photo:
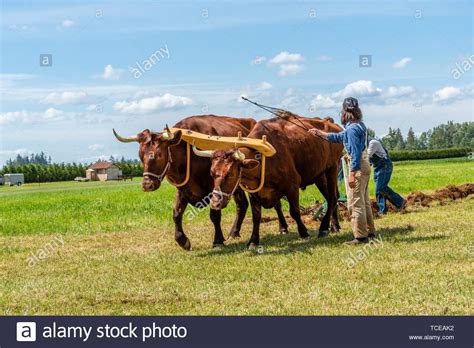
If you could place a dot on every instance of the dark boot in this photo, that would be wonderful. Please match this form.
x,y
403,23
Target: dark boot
x,y
357,241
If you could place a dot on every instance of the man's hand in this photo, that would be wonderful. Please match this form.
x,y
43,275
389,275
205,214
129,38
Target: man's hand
x,y
352,180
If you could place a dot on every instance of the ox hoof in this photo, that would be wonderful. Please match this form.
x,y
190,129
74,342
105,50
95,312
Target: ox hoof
x,y
323,234
252,246
187,245
283,230
218,245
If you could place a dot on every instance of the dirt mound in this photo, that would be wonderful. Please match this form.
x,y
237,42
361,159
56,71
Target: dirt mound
x,y
414,200
448,193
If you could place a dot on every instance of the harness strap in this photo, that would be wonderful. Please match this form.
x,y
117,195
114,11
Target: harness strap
x,y
163,173
219,191
262,179
188,168
168,165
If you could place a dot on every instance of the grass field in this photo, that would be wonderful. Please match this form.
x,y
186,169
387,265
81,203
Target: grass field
x,y
108,248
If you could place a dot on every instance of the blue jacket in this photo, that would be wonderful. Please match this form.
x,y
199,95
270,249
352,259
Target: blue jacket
x,y
353,138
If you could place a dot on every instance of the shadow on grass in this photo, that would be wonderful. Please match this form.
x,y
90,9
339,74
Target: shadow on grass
x,y
291,243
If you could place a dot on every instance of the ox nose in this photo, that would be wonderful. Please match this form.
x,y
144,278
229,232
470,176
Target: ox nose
x,y
218,201
149,185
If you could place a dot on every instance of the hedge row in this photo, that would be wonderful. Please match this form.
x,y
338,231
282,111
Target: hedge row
x,y
63,172
407,155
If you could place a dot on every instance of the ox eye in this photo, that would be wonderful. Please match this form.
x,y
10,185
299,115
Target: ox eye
x,y
151,155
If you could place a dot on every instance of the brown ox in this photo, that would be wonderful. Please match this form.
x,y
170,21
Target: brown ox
x,y
301,160
164,155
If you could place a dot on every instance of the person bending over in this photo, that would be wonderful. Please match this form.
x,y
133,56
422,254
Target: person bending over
x,y
383,168
354,137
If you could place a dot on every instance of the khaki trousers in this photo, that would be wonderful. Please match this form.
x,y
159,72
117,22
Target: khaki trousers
x,y
358,201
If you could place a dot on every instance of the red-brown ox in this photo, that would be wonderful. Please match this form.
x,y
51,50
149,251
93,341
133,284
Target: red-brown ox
x,y
301,160
164,155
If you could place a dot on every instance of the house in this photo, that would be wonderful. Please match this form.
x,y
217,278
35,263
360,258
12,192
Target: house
x,y
103,171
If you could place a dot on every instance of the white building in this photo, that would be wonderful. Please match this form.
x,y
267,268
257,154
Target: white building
x,y
103,171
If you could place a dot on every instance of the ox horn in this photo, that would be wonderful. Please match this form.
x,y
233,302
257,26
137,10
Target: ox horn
x,y
239,156
168,135
125,140
202,153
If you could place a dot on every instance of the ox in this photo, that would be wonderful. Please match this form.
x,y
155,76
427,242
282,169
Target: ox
x,y
164,155
301,160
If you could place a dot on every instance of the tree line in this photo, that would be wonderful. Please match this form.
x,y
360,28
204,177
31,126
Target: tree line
x,y
36,170
445,136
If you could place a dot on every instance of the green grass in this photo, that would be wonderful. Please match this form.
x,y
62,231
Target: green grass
x,y
119,256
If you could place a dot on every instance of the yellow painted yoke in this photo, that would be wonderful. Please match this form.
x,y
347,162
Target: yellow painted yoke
x,y
215,142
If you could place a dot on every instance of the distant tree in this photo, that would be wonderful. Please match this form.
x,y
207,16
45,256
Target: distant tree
x,y
422,141
411,140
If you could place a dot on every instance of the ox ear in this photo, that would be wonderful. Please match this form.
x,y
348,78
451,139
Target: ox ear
x,y
250,164
145,136
176,138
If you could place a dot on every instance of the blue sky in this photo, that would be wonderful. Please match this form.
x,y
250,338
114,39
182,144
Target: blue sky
x,y
202,56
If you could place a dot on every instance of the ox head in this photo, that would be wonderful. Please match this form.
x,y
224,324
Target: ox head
x,y
226,171
154,153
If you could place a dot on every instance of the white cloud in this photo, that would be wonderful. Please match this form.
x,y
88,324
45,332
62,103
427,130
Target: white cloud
x,y
7,80
13,152
290,69
24,116
13,116
111,74
67,97
286,57
52,114
145,105
264,86
17,27
361,88
67,23
397,92
322,102
16,77
258,60
401,63
323,58
96,147
446,94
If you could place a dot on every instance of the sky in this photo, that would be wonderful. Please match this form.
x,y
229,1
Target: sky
x,y
132,65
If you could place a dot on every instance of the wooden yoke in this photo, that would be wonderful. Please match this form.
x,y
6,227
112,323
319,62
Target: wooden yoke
x,y
215,142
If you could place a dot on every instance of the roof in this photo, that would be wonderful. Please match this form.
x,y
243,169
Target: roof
x,y
102,165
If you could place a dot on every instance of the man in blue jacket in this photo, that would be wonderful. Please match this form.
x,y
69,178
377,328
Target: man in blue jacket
x,y
383,168
355,140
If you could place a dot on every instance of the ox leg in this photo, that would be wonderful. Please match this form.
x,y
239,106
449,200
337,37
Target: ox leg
x,y
178,211
242,204
281,219
322,185
216,220
335,226
256,219
294,201
331,194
